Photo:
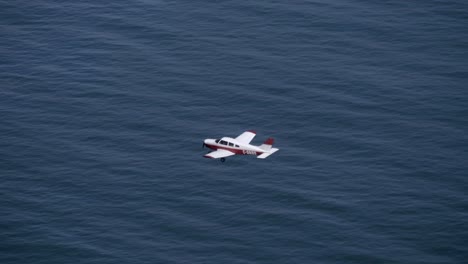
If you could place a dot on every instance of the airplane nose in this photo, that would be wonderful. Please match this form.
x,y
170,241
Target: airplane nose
x,y
207,142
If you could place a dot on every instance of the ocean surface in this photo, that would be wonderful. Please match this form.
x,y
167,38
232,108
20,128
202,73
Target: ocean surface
x,y
104,106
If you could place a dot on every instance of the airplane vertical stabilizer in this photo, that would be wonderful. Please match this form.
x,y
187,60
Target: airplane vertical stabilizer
x,y
267,144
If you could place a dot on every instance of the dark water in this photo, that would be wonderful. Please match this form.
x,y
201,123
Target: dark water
x,y
104,106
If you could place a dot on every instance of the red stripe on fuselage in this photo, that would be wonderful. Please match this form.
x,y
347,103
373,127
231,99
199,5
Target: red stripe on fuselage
x,y
235,150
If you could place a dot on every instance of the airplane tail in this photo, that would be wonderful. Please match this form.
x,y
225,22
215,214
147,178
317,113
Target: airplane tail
x,y
267,146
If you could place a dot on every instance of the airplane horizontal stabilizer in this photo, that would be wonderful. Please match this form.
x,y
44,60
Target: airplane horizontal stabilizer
x,y
266,154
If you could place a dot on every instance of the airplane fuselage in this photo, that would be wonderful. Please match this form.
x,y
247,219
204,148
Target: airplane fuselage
x,y
234,146
226,147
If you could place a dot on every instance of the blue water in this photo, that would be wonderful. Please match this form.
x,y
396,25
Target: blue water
x,y
104,106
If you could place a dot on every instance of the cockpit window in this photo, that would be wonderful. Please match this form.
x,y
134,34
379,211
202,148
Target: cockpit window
x,y
222,142
217,141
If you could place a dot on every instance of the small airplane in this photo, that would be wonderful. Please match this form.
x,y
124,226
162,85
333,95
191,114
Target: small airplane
x,y
240,145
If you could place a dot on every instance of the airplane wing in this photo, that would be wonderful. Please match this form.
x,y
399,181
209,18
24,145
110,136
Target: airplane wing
x,y
246,137
220,153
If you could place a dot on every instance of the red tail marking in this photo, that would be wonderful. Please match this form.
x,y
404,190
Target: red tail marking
x,y
269,141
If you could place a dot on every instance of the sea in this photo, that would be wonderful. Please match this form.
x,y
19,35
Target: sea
x,y
104,106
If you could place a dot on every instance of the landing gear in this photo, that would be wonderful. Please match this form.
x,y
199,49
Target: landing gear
x,y
223,159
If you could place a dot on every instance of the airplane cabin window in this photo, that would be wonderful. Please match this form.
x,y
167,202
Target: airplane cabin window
x,y
237,146
231,145
223,142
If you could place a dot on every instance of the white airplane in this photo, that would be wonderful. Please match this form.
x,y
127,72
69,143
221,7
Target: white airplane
x,y
240,145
